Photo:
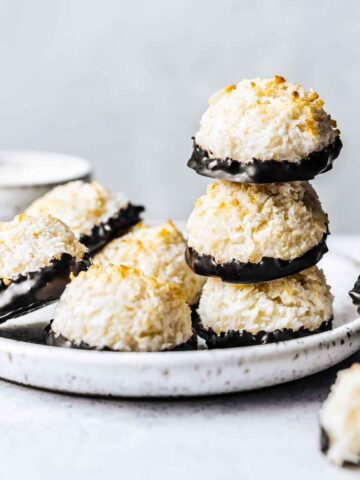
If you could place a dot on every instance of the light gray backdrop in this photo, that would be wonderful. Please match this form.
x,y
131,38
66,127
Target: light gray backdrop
x,y
123,83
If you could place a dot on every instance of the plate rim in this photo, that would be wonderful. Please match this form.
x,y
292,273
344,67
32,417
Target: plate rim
x,y
345,331
166,374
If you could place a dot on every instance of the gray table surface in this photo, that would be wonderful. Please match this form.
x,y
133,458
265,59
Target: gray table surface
x,y
271,432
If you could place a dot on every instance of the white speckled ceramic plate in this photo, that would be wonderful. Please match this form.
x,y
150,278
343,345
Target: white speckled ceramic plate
x,y
25,360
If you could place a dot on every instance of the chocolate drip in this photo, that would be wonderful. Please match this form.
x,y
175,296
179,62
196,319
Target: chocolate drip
x,y
55,340
265,171
246,272
114,227
243,338
355,294
30,291
324,441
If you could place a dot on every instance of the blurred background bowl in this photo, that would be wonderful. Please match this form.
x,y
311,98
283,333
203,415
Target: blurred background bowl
x,y
27,175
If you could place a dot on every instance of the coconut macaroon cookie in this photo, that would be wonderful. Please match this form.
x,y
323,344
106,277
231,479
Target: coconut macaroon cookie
x,y
246,233
121,309
157,251
232,315
340,418
93,213
37,257
263,131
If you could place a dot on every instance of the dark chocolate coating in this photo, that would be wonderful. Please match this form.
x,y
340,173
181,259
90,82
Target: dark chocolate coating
x,y
355,294
325,445
324,441
54,340
114,227
246,272
265,171
30,291
194,315
243,338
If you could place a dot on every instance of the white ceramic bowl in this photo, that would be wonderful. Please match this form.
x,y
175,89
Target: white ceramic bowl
x,y
27,175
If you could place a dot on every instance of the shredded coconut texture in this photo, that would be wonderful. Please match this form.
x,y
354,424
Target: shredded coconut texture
x,y
157,252
122,309
340,417
248,222
266,119
301,300
80,205
28,244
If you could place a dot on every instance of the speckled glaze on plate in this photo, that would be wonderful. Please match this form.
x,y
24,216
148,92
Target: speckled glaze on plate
x,y
24,359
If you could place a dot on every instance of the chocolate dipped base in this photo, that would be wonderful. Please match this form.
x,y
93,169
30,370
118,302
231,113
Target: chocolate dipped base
x,y
265,171
194,315
325,445
54,340
355,294
243,338
324,441
115,226
30,291
246,272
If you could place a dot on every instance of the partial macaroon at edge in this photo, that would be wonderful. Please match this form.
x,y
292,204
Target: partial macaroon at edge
x,y
340,419
49,250
118,308
243,315
265,131
96,215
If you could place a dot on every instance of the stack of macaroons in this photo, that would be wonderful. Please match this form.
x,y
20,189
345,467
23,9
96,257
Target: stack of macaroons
x,y
158,252
37,257
261,221
119,308
93,213
259,231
